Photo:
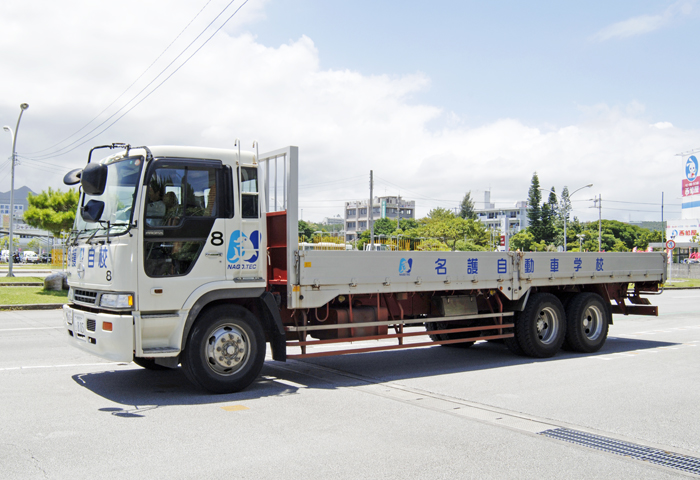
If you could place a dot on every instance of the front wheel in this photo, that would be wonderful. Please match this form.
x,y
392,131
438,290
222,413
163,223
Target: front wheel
x,y
225,350
540,328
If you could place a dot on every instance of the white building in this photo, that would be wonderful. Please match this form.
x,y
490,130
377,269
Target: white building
x,y
357,214
510,219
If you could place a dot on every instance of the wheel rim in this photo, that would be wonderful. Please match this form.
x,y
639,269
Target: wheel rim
x,y
592,322
547,325
227,349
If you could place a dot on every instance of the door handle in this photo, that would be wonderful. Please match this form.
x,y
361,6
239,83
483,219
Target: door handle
x,y
211,254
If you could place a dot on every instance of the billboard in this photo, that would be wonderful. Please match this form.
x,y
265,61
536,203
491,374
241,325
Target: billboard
x,y
682,230
691,182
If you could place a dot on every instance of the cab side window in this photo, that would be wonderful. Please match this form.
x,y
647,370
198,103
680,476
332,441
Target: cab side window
x,y
182,203
249,192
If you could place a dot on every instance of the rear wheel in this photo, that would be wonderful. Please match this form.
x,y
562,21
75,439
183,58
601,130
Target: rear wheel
x,y
541,327
587,320
225,350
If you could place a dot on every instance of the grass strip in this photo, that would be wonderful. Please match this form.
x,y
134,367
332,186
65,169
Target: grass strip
x,y
682,283
31,296
21,280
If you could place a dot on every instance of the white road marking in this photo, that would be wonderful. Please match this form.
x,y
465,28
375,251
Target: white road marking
x,y
28,328
34,367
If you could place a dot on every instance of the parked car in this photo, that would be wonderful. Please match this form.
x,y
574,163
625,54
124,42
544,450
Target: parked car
x,y
5,256
30,257
45,258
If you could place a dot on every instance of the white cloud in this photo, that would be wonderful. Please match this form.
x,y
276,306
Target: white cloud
x,y
345,123
645,23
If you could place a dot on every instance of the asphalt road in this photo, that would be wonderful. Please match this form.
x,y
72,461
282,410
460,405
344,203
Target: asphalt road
x,y
423,413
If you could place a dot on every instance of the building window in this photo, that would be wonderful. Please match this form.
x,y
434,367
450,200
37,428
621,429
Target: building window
x,y
363,211
352,212
492,215
362,225
513,214
351,226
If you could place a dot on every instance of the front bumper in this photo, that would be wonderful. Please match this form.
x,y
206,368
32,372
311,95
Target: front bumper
x,y
90,332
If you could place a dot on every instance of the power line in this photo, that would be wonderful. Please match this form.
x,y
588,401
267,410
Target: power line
x,y
132,84
56,154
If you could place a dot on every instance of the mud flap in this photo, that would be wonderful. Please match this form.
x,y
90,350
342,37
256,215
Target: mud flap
x,y
273,327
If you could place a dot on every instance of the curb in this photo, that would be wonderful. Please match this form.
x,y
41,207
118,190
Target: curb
x,y
35,306
19,284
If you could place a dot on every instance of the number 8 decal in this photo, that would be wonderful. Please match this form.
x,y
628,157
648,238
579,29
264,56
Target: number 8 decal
x,y
217,239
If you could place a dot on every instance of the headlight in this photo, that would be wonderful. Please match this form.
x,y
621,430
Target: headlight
x,y
114,300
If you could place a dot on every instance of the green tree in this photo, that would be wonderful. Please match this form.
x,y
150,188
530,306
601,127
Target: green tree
x,y
384,226
564,206
5,241
52,210
34,245
443,225
549,213
306,230
466,208
534,212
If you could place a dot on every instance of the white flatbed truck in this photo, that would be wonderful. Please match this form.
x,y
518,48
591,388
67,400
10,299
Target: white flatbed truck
x,y
190,256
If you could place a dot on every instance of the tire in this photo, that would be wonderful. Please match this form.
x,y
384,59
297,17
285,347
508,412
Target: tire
x,y
512,343
225,350
149,364
587,321
541,327
449,336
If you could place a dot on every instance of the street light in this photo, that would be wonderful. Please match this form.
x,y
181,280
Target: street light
x,y
566,214
580,236
22,107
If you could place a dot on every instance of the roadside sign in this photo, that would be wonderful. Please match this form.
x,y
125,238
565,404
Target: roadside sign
x,y
670,244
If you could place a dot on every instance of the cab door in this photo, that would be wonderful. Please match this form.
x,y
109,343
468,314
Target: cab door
x,y
185,208
246,251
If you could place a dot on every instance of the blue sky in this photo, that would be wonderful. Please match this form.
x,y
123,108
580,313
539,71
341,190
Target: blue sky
x,y
438,98
535,61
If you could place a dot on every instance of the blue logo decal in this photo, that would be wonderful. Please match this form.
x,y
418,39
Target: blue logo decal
x,y
91,258
242,248
405,266
691,168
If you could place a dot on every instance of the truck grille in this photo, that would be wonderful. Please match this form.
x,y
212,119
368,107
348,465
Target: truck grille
x,y
85,296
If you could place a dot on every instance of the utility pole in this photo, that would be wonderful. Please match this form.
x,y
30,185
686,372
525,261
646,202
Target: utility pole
x,y
600,219
663,227
22,107
369,210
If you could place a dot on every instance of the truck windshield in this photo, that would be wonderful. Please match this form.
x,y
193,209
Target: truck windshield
x,y
123,176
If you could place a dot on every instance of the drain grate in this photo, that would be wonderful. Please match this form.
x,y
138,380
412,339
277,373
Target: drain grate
x,y
638,452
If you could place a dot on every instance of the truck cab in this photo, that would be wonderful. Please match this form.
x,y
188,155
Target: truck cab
x,y
161,234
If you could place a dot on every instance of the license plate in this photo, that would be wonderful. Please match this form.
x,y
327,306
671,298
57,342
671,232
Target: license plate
x,y
79,326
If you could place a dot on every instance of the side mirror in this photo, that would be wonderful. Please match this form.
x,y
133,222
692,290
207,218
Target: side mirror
x,y
92,212
73,176
94,179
